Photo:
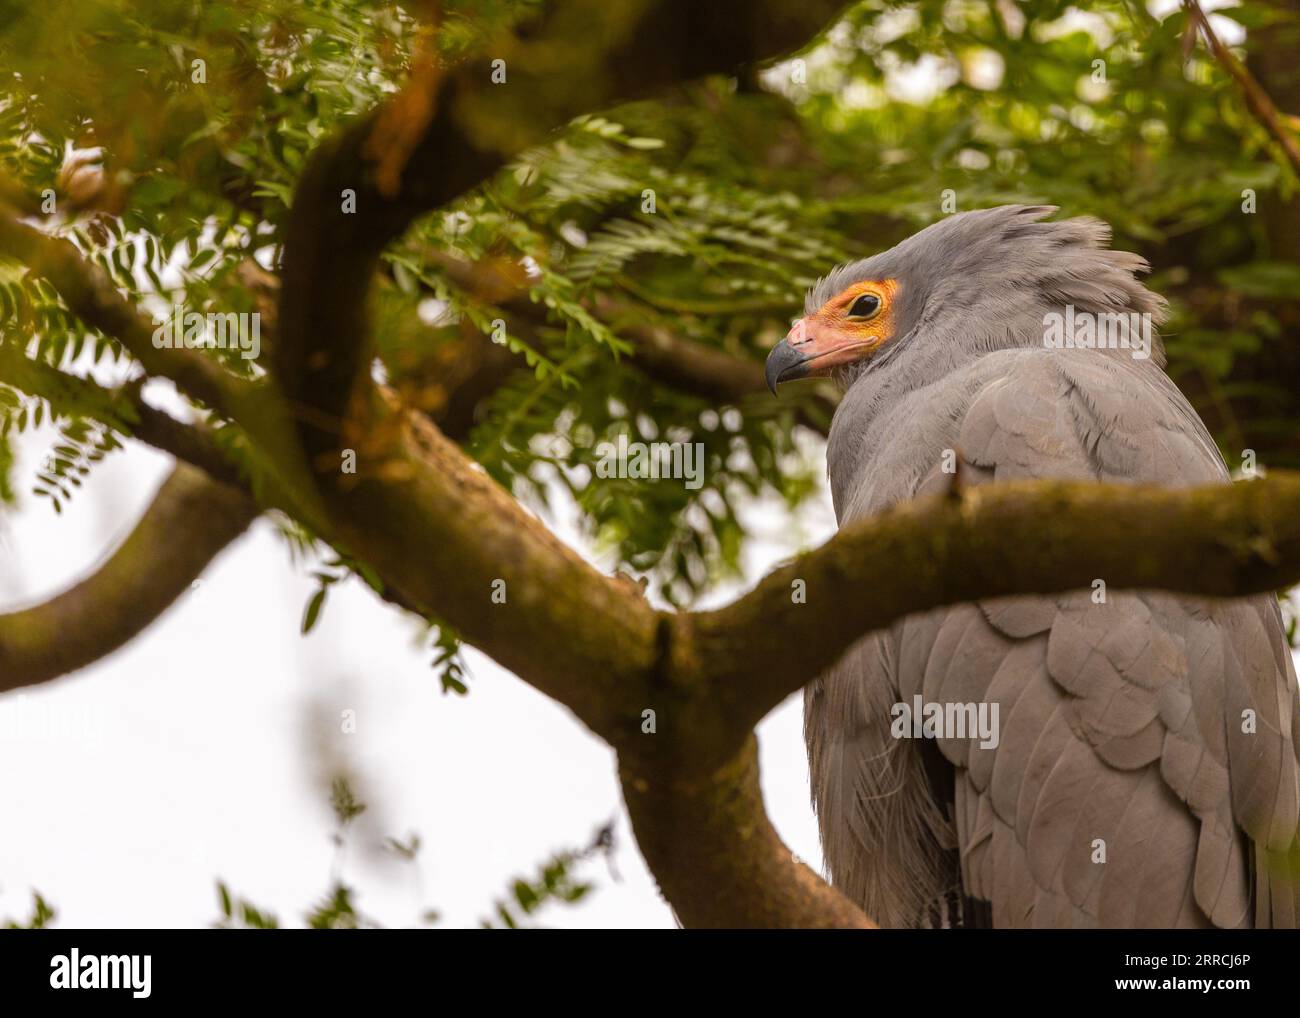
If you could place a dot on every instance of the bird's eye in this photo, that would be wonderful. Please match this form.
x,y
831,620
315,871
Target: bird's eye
x,y
865,306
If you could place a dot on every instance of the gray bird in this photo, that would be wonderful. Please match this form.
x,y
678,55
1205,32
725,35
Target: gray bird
x,y
1100,758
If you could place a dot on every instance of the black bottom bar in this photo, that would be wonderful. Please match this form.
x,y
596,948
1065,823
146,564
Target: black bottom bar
x,y
215,967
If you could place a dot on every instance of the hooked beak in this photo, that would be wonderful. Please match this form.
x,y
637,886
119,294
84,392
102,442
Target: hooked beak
x,y
810,348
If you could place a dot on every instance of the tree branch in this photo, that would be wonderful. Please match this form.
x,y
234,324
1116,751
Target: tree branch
x,y
189,521
125,409
439,530
576,56
329,260
731,869
662,355
1218,541
418,507
1257,100
91,296
189,443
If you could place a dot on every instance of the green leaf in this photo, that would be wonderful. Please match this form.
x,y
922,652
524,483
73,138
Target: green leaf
x,y
313,610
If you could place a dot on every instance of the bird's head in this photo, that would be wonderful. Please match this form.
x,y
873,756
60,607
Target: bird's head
x,y
976,280
847,328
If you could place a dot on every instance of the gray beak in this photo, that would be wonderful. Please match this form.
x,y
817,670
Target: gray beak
x,y
783,364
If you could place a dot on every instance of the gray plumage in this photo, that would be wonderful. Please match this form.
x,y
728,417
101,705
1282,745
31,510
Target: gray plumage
x,y
1121,723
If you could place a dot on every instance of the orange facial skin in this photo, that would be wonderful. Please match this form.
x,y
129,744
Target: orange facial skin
x,y
830,336
850,326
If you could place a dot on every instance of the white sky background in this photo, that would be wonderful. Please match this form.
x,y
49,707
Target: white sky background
x,y
192,754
